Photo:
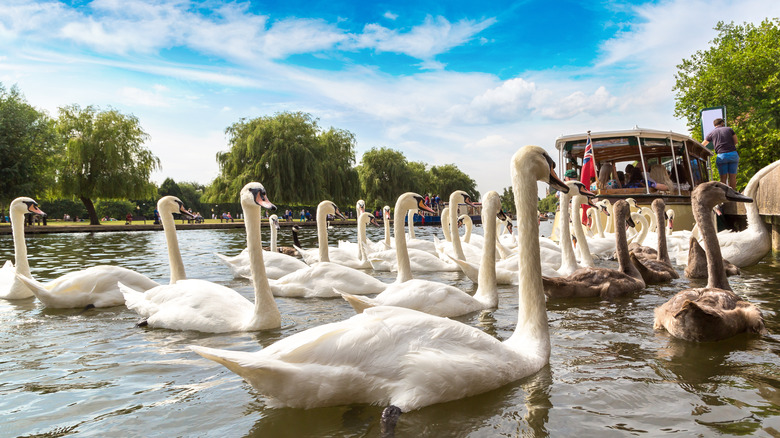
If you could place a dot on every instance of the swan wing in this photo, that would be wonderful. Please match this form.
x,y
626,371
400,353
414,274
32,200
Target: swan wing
x,y
323,280
12,288
430,297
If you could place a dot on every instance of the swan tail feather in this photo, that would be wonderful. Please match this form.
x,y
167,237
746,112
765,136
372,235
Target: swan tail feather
x,y
471,271
357,303
35,286
136,300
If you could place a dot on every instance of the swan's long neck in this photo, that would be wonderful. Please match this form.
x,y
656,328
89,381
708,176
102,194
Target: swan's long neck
x,y
642,219
532,326
174,254
272,226
322,234
582,242
648,213
597,219
716,275
567,252
456,246
361,240
469,225
487,291
387,231
755,224
410,219
401,252
610,220
20,246
621,246
266,313
445,224
663,250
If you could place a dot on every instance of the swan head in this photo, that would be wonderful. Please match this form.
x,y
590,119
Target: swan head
x,y
253,194
491,203
604,206
670,218
24,205
360,207
411,201
386,211
714,193
459,196
632,203
535,161
170,204
328,207
622,212
368,218
274,219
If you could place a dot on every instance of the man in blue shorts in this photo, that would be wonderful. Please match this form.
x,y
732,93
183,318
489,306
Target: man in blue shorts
x,y
725,142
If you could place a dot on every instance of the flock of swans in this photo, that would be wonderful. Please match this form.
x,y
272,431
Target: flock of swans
x,y
400,350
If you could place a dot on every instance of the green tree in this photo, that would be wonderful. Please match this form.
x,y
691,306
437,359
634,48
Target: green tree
x,y
420,179
191,195
384,175
741,71
508,200
548,204
340,178
104,156
290,156
28,147
448,178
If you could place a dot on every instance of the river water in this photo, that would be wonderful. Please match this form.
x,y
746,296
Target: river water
x,y
67,373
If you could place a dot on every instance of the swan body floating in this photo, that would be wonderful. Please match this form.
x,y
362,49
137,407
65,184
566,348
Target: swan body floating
x,y
404,358
656,268
602,282
713,312
325,279
277,264
697,262
11,287
202,305
747,247
323,253
430,296
95,286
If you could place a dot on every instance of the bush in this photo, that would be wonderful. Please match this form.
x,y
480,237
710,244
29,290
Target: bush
x,y
115,209
57,208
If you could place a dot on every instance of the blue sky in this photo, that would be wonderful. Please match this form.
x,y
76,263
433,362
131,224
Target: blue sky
x,y
466,83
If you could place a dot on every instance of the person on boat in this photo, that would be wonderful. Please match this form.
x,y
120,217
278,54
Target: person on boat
x,y
608,178
725,142
637,180
660,175
681,179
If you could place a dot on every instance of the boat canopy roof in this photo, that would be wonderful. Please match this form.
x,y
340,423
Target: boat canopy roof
x,y
622,145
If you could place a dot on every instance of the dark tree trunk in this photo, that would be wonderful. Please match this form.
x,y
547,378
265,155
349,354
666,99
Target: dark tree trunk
x,y
93,217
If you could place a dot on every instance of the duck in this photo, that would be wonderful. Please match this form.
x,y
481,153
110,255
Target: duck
x,y
430,296
11,287
749,246
656,266
407,359
92,287
200,305
714,312
602,282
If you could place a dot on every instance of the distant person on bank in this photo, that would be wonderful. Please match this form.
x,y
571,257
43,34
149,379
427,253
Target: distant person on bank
x,y
725,142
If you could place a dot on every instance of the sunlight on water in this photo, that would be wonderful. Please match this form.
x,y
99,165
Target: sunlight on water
x,y
94,373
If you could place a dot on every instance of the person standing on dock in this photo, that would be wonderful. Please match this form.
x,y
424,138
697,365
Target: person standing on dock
x,y
725,142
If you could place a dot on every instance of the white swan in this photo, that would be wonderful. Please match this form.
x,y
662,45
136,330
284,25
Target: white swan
x,y
455,248
202,305
404,358
92,287
747,247
322,253
430,296
277,264
11,287
582,196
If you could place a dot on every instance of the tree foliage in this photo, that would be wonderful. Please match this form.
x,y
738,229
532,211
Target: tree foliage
x,y
291,157
189,193
104,156
508,200
28,146
448,178
548,204
741,71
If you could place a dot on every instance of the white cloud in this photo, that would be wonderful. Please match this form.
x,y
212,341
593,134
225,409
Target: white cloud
x,y
490,142
136,96
390,16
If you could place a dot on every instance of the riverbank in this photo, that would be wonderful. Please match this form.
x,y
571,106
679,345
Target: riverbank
x,y
116,226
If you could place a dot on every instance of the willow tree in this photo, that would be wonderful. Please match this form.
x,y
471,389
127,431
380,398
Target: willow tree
x,y
739,71
104,157
384,175
28,144
448,178
290,156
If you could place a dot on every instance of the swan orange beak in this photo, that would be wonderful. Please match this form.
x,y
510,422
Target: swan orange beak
x,y
33,208
421,205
